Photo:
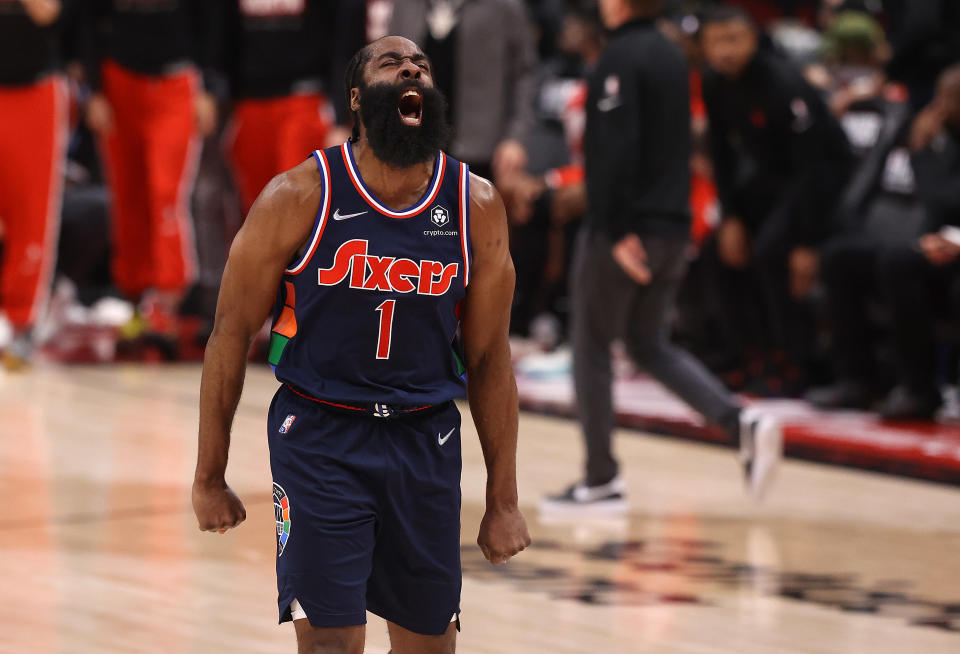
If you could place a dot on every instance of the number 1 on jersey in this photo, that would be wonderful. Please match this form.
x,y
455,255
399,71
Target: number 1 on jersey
x,y
386,329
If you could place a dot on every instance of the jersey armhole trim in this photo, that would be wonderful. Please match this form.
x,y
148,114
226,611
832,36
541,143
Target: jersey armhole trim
x,y
321,220
465,220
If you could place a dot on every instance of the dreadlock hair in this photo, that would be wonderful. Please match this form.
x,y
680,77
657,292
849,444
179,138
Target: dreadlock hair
x,y
354,78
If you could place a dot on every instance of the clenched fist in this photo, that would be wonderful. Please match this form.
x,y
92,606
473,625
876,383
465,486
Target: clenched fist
x,y
503,533
217,507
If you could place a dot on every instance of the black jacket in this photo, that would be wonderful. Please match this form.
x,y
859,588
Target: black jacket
x,y
937,170
770,131
637,140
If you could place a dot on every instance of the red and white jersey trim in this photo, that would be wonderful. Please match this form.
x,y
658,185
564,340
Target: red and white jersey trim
x,y
376,204
322,216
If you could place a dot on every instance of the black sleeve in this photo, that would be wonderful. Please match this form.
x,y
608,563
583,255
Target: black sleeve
x,y
207,19
721,153
938,185
349,20
812,136
623,141
92,17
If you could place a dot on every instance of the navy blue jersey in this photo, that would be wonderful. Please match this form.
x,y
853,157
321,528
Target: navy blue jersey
x,y
369,312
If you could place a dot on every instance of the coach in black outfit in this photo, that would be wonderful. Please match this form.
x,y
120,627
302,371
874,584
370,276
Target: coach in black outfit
x,y
631,254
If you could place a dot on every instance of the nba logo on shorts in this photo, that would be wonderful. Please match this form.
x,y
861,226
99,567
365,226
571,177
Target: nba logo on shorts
x,y
281,510
439,216
287,422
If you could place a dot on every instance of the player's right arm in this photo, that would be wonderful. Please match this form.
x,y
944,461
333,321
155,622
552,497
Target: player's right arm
x,y
276,228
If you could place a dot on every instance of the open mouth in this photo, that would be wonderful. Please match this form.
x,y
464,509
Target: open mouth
x,y
411,107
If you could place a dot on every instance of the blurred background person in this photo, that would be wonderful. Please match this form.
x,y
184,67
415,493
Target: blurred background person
x,y
277,56
546,201
631,255
781,162
925,39
879,209
33,144
483,58
150,111
922,280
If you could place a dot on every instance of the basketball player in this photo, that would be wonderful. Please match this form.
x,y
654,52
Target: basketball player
x,y
380,249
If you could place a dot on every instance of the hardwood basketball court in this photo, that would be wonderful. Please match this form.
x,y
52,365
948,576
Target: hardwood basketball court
x,y
99,550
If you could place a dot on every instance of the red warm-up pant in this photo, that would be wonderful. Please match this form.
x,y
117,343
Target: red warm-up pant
x,y
266,137
33,144
151,157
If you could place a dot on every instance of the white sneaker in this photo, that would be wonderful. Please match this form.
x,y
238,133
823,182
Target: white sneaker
x,y
761,448
580,499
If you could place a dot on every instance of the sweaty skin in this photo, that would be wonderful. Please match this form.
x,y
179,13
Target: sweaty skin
x,y
276,229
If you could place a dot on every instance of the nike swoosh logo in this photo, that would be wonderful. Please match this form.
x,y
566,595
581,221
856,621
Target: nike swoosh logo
x,y
445,438
337,216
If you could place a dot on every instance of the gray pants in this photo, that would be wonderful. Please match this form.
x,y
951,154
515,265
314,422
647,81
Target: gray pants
x,y
608,305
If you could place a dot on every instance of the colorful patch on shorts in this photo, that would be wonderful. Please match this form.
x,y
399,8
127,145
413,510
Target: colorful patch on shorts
x,y
287,423
281,510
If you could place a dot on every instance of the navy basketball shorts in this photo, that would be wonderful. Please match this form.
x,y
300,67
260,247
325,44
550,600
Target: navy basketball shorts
x,y
368,514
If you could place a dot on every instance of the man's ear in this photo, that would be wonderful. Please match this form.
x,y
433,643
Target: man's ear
x,y
355,99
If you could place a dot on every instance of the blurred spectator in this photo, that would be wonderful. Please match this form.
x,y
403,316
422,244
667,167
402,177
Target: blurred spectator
x,y
925,37
150,112
276,55
545,202
482,53
922,281
781,161
880,210
33,143
854,52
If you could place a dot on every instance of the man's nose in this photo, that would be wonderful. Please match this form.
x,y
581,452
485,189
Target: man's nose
x,y
409,70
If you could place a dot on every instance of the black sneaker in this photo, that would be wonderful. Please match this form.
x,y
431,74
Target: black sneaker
x,y
603,500
905,404
845,394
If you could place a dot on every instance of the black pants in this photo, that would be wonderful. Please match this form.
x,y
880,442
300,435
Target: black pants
x,y
855,271
608,305
919,292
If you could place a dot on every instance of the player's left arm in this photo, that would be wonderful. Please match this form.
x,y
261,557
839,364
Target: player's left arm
x,y
491,388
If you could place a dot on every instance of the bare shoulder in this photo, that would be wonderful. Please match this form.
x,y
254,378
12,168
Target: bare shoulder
x,y
485,198
488,223
292,191
281,218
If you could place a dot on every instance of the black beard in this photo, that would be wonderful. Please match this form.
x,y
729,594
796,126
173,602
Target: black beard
x,y
394,143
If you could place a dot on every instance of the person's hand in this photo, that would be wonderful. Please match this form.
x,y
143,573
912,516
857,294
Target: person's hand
x,y
216,506
733,243
509,157
568,203
206,113
99,114
520,191
804,267
503,533
938,250
629,253
926,126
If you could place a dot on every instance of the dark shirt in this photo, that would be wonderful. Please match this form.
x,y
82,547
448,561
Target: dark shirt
x,y
27,51
443,62
770,124
272,48
150,37
637,139
937,171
